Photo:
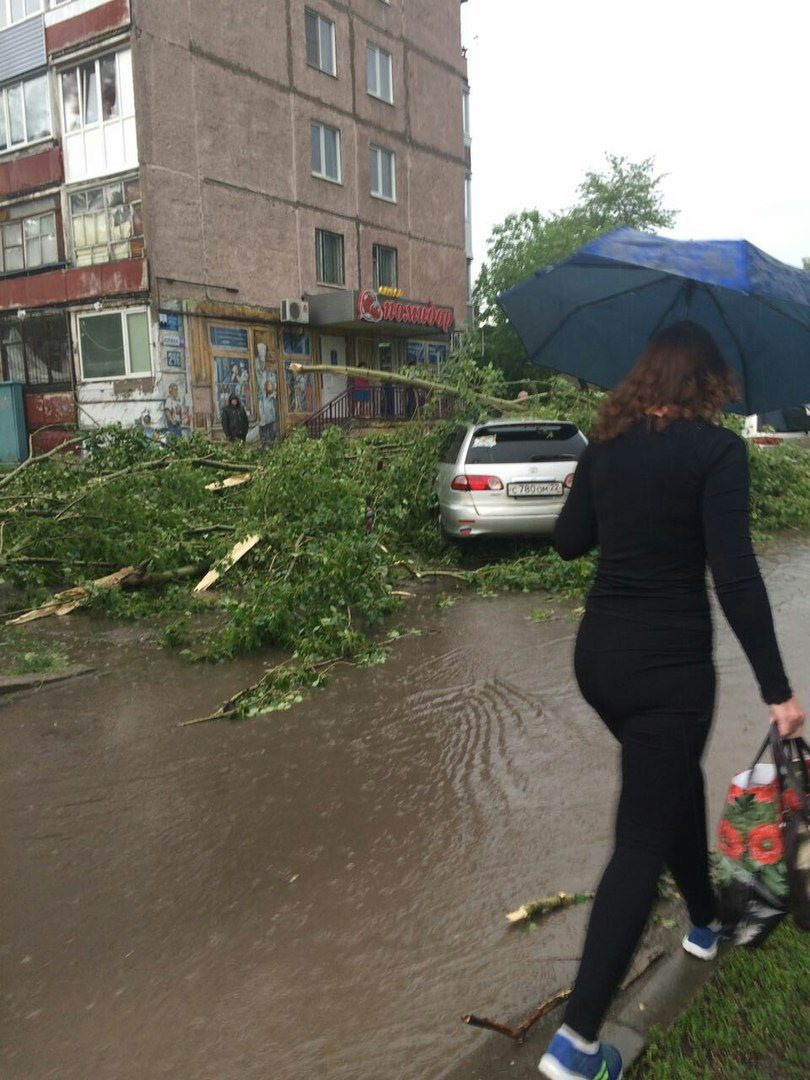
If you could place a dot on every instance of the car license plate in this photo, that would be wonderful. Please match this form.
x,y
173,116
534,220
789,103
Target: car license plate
x,y
534,488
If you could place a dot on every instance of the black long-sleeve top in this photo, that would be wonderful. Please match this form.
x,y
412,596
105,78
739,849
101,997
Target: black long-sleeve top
x,y
660,505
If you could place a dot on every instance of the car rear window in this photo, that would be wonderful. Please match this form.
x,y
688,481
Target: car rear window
x,y
514,444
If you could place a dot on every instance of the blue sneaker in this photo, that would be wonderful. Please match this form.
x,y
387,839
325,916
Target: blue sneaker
x,y
702,941
562,1061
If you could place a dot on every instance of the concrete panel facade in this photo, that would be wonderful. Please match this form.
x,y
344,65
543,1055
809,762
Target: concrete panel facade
x,y
250,244
225,106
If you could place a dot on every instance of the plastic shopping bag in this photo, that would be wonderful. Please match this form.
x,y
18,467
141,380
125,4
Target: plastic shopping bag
x,y
751,868
796,815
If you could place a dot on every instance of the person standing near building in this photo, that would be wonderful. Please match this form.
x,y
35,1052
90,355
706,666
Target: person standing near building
x,y
235,422
662,490
361,393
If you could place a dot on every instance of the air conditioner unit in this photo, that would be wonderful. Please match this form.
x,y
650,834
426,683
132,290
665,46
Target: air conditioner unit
x,y
296,311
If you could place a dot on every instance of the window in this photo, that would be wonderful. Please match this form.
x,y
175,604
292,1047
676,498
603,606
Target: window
x,y
13,11
28,243
320,42
36,350
383,174
98,108
325,143
379,78
115,344
384,263
25,114
518,443
106,223
329,268
468,199
466,112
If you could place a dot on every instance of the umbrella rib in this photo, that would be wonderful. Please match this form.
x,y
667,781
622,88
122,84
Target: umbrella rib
x,y
733,336
595,303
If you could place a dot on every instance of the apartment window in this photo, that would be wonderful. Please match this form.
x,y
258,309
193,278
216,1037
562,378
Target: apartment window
x,y
106,223
98,107
25,114
329,265
384,264
13,11
379,75
36,350
28,243
468,199
383,174
115,344
325,150
320,42
466,111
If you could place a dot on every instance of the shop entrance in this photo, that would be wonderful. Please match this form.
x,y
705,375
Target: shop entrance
x,y
333,353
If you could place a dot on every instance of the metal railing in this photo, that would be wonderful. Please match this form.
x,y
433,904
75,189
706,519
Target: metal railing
x,y
388,402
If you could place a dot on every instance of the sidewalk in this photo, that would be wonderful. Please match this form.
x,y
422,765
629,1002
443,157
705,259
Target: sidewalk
x,y
656,999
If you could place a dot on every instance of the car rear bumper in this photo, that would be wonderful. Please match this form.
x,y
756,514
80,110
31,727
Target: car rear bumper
x,y
462,521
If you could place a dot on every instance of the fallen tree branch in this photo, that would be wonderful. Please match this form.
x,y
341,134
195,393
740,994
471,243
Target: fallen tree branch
x,y
546,904
641,966
63,603
7,479
419,384
229,707
518,1033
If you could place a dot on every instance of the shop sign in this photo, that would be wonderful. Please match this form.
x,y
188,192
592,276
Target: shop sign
x,y
374,309
170,329
229,337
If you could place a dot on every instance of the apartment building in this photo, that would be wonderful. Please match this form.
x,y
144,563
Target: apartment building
x,y
196,193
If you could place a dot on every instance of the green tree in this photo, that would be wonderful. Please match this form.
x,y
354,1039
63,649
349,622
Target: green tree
x,y
626,194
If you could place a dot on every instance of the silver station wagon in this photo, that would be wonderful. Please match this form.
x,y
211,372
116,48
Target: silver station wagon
x,y
507,477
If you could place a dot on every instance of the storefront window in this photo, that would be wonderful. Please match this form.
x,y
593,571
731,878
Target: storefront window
x,y
36,350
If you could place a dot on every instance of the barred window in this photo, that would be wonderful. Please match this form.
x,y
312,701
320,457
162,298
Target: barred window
x,y
36,350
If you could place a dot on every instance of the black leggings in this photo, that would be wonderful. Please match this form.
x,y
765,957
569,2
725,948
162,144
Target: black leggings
x,y
659,706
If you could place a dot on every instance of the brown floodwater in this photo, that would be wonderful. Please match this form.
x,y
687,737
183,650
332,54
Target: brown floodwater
x,y
321,892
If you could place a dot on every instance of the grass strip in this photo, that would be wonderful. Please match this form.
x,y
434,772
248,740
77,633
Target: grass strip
x,y
751,1020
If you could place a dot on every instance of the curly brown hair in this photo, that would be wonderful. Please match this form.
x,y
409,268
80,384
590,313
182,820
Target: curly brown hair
x,y
681,371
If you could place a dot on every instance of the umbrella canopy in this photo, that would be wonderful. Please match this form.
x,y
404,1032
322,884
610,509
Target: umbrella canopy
x,y
592,315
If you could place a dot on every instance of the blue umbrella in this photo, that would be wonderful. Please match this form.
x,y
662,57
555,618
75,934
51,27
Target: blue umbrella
x,y
591,315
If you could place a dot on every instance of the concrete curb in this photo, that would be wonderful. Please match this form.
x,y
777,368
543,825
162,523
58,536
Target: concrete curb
x,y
657,998
15,684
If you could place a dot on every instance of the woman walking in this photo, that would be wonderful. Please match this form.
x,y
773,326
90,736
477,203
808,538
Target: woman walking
x,y
662,490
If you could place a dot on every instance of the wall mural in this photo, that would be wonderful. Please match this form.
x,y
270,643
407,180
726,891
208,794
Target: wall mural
x,y
233,377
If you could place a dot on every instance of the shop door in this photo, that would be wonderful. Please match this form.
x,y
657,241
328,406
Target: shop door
x,y
333,353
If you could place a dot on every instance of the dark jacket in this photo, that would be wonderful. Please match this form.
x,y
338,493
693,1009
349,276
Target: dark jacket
x,y
235,421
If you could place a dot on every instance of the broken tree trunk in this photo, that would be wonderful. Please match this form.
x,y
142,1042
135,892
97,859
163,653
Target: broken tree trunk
x,y
234,555
62,603
420,384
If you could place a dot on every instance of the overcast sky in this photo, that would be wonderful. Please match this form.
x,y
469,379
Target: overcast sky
x,y
718,92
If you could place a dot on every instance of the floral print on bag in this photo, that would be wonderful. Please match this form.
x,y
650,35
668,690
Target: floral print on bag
x,y
750,837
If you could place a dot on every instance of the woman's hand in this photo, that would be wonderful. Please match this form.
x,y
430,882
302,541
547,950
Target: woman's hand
x,y
789,718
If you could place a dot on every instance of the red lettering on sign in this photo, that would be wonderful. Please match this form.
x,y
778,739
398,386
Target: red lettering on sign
x,y
371,308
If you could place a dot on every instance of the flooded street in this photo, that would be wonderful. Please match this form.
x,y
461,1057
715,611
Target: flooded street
x,y
321,892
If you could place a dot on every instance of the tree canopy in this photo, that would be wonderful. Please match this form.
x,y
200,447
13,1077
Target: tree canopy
x,y
626,194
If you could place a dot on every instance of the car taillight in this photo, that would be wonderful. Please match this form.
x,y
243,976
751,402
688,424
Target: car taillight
x,y
568,482
766,440
477,483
